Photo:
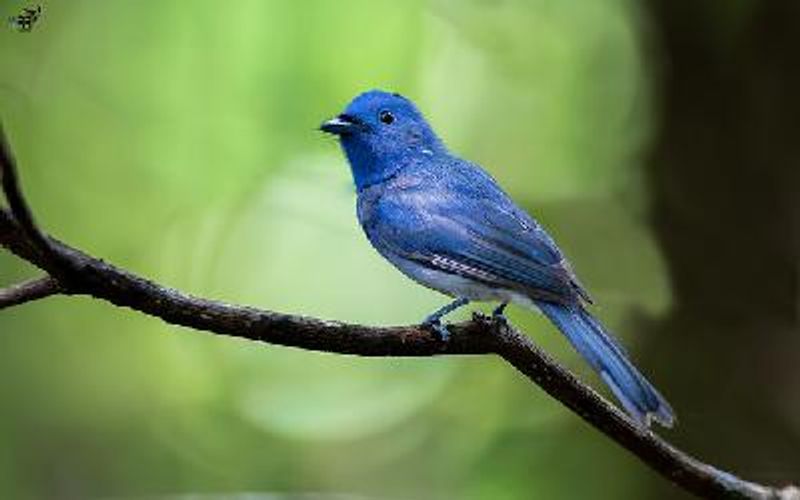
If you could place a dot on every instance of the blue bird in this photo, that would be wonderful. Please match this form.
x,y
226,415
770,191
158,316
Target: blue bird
x,y
445,223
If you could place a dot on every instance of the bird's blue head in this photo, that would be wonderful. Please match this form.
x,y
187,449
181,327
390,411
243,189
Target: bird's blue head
x,y
381,133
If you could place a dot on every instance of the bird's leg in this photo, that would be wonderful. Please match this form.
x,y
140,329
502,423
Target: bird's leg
x,y
498,313
434,321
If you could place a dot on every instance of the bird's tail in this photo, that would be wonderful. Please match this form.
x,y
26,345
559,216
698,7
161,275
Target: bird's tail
x,y
639,398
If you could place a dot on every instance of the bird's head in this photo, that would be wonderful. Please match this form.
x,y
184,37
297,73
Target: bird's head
x,y
381,133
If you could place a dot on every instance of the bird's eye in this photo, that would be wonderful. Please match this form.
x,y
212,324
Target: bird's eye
x,y
386,117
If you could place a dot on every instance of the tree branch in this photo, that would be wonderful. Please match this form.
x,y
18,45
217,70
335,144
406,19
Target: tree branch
x,y
28,291
79,273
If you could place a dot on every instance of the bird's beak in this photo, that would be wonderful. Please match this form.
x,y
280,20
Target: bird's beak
x,y
340,125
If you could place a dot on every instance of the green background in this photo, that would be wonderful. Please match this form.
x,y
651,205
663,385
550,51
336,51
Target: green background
x,y
178,140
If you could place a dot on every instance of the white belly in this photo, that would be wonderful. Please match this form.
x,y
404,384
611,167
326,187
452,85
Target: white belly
x,y
457,286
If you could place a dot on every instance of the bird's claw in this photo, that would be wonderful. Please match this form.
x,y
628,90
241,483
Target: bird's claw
x,y
438,328
498,315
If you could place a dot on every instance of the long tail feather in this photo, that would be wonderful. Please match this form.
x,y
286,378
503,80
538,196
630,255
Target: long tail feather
x,y
639,398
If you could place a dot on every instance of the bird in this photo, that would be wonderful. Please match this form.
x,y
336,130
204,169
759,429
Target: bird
x,y
447,224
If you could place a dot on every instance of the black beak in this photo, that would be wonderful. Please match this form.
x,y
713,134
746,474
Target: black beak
x,y
340,125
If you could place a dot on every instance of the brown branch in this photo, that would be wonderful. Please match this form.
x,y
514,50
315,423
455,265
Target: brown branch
x,y
79,273
28,291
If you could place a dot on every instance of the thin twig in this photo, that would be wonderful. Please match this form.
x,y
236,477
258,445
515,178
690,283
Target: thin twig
x,y
90,276
28,291
16,201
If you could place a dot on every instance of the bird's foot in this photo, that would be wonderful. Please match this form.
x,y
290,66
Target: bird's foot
x,y
498,314
437,327
434,321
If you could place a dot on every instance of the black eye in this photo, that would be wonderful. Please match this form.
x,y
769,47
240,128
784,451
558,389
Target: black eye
x,y
386,117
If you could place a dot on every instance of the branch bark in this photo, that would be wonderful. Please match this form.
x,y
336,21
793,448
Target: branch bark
x,y
75,272
28,291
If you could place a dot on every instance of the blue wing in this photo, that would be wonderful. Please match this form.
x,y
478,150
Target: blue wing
x,y
464,224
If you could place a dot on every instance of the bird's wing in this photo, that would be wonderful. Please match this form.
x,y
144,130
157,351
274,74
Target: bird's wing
x,y
477,234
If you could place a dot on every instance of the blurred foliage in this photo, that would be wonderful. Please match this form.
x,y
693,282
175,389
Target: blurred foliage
x,y
178,139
